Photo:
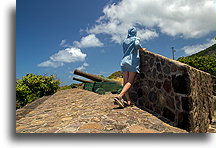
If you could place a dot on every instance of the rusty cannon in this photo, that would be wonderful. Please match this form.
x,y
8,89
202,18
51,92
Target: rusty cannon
x,y
81,80
98,84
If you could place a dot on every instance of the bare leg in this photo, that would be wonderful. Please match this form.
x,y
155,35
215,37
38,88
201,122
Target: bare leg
x,y
125,77
128,81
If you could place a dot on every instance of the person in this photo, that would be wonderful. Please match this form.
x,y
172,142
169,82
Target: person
x,y
129,65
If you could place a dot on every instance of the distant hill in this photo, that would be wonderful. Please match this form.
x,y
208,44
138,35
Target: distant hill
x,y
115,75
210,51
204,60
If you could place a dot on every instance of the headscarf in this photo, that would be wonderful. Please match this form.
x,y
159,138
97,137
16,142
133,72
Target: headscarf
x,y
132,32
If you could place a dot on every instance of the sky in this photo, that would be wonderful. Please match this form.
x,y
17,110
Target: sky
x,y
58,36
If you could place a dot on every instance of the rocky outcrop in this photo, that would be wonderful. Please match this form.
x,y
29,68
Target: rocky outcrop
x,y
176,91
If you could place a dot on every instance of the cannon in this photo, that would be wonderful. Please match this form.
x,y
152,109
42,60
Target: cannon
x,y
98,84
81,80
91,76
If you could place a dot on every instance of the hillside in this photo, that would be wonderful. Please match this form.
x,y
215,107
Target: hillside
x,y
115,75
210,51
204,60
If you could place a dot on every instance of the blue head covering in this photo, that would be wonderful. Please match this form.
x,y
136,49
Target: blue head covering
x,y
132,32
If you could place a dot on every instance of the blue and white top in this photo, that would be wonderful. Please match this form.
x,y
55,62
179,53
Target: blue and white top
x,y
131,45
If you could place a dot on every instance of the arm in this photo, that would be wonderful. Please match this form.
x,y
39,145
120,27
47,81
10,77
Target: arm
x,y
138,45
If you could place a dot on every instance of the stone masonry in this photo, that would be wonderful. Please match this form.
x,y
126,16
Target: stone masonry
x,y
176,91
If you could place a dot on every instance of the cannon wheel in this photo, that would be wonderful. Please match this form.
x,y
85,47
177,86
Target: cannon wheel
x,y
100,91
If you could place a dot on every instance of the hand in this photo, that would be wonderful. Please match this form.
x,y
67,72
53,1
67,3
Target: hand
x,y
143,49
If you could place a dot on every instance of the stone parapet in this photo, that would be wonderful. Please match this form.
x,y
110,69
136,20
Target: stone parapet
x,y
176,91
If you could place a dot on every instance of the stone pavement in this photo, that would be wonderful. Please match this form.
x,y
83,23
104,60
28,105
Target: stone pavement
x,y
80,111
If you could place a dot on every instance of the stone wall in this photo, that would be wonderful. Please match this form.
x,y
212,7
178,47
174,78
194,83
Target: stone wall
x,y
176,91
214,90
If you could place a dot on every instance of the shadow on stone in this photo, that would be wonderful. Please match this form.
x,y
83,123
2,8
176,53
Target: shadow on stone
x,y
165,120
118,108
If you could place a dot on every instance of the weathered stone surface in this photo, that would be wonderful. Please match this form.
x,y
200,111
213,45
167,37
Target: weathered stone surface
x,y
170,102
140,129
160,77
154,72
152,96
174,68
140,93
181,84
80,111
166,69
162,99
158,67
168,114
151,62
174,90
187,104
158,85
183,120
142,75
92,126
167,85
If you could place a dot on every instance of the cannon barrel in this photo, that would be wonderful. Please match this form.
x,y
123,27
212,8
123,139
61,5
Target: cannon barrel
x,y
81,80
91,76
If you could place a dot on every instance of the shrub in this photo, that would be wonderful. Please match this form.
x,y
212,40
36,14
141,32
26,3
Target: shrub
x,y
204,63
31,87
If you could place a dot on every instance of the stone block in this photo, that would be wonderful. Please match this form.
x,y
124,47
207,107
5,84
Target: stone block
x,y
181,84
167,113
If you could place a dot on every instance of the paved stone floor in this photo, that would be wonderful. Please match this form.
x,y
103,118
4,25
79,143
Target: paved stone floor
x,y
80,111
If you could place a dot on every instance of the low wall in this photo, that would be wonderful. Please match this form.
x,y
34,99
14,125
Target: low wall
x,y
176,91
214,90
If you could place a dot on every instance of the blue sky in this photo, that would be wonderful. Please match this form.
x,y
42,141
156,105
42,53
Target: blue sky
x,y
58,36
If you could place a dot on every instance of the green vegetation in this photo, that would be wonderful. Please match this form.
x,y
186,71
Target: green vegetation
x,y
31,87
204,60
115,75
210,51
65,87
204,63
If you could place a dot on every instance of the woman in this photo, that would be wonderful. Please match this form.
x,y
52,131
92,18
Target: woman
x,y
129,64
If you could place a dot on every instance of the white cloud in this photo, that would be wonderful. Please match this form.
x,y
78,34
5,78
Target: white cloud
x,y
64,44
85,64
83,67
146,34
89,41
186,18
189,50
68,55
50,63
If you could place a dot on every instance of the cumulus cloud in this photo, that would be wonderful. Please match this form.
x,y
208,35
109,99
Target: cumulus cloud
x,y
83,67
50,63
186,18
189,50
89,41
68,55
